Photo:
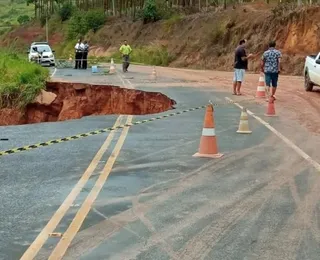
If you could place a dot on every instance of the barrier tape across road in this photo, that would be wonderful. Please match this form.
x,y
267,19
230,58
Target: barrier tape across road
x,y
105,130
101,63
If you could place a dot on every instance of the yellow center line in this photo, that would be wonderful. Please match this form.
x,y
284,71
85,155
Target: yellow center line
x,y
75,225
34,248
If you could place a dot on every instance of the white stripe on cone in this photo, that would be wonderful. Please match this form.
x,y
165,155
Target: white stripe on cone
x,y
208,132
261,88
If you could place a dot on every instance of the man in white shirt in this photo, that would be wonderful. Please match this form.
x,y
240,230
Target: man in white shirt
x,y
78,54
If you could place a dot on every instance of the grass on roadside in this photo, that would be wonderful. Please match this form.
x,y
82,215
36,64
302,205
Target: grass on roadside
x,y
20,81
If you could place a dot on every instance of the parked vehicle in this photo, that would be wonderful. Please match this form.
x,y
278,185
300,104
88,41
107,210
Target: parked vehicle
x,y
312,72
41,53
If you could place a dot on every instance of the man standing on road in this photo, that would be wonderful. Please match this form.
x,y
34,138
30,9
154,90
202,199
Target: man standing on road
x,y
78,54
240,66
125,50
270,66
85,55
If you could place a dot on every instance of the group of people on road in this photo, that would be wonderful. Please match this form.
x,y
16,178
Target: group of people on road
x,y
82,49
269,65
81,54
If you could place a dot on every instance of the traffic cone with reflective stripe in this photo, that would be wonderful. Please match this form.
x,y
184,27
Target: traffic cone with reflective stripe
x,y
244,123
261,89
271,110
112,67
208,142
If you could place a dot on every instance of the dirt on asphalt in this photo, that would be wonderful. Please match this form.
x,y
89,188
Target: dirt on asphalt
x,y
292,101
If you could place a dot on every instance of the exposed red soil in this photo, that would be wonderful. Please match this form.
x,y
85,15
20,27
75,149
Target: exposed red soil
x,y
75,100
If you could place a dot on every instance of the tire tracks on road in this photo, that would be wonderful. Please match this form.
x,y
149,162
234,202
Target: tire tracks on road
x,y
201,245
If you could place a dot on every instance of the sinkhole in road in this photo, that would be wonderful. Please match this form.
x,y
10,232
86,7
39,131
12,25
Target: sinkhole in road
x,y
65,101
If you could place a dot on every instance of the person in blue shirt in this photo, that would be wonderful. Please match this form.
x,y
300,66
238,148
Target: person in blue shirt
x,y
270,66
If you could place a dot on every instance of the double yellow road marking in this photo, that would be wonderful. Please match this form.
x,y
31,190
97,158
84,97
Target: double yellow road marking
x,y
74,227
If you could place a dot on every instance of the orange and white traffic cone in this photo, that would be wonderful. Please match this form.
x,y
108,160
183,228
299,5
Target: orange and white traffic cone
x,y
271,110
244,123
261,89
208,142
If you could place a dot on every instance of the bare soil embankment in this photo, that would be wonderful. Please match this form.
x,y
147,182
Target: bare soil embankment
x,y
64,101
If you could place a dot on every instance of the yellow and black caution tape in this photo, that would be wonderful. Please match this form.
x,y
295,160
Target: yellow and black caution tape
x,y
105,130
101,63
96,132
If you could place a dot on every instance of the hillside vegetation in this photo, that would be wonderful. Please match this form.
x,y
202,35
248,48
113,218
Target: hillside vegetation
x,y
13,13
20,81
176,33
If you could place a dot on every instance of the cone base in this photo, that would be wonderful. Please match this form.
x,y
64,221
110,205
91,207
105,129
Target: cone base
x,y
244,132
260,96
270,115
214,156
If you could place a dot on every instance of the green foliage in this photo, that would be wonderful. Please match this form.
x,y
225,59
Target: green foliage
x,y
65,49
169,23
65,11
155,10
20,81
83,22
22,19
95,19
217,33
10,12
150,12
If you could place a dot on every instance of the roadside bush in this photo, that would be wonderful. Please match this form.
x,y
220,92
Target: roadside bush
x,y
169,23
22,19
65,11
20,81
155,10
95,19
150,12
82,22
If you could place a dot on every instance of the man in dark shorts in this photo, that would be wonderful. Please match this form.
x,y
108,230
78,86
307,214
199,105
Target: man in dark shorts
x,y
270,66
240,66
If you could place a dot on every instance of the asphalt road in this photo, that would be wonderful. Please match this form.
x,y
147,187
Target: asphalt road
x,y
259,201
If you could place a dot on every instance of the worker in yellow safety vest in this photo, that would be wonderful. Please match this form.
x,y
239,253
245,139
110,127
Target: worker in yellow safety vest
x,y
125,50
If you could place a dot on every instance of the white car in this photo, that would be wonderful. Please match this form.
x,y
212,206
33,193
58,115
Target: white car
x,y
312,72
42,53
